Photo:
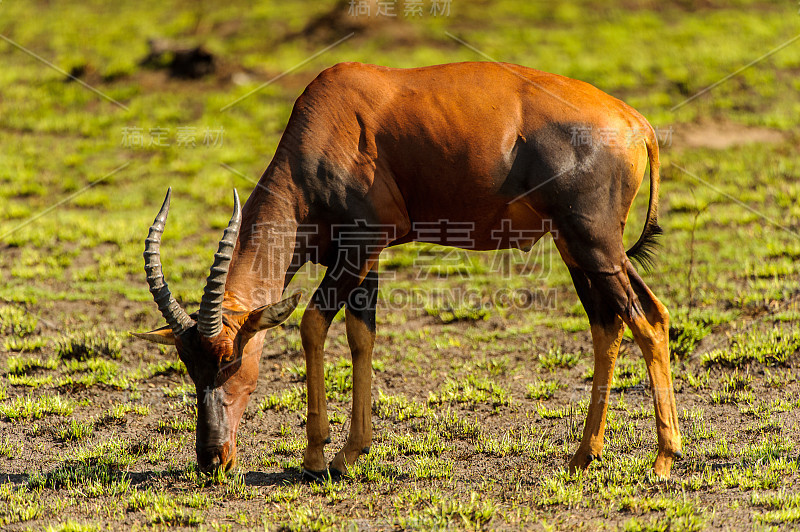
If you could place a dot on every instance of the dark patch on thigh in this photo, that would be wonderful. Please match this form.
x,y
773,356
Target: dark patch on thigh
x,y
563,168
570,176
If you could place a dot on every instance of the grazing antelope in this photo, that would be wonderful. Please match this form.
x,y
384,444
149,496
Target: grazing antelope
x,y
382,150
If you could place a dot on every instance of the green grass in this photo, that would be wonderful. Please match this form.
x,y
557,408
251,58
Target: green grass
x,y
84,345
543,389
292,399
15,321
22,408
473,391
76,430
120,411
555,358
771,348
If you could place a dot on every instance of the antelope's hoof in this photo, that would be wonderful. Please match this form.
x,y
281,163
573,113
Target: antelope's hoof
x,y
677,455
336,475
663,466
315,476
579,462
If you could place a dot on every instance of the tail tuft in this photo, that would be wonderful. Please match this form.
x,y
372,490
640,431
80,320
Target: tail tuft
x,y
644,251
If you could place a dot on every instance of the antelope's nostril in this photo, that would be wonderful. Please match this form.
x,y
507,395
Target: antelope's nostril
x,y
209,460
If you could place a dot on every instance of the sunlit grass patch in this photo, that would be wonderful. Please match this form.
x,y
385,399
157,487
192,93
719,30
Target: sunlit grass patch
x,y
181,390
303,517
768,450
118,412
176,425
451,425
771,348
76,430
572,409
471,390
288,445
781,503
172,516
113,452
85,478
29,380
71,525
697,381
778,517
543,389
735,388
427,443
695,427
162,368
516,443
34,408
684,337
557,490
14,320
293,400
23,344
450,315
84,345
164,508
432,511
688,329
630,373
556,358
373,468
92,371
20,505
339,379
780,378
8,448
425,466
399,407
19,365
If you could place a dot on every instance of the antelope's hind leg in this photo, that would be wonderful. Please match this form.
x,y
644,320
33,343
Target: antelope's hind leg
x,y
650,328
607,328
632,302
360,324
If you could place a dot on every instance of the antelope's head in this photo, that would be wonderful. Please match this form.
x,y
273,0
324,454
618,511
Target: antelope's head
x,y
214,343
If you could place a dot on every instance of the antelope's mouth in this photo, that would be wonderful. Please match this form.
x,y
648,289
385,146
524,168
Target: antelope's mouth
x,y
212,459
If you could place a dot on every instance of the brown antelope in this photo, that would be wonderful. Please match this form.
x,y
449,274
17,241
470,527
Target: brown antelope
x,y
383,149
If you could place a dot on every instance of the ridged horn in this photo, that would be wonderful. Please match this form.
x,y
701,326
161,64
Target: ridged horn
x,y
209,318
176,317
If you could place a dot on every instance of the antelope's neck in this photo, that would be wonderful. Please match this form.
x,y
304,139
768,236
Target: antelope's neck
x,y
260,268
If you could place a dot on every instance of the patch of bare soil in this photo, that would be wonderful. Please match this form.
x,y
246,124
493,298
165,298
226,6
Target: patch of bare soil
x,y
721,135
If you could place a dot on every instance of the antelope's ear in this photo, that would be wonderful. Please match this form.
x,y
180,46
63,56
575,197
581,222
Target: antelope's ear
x,y
163,335
272,315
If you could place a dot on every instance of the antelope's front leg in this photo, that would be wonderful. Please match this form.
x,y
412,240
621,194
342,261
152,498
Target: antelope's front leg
x,y
313,330
361,337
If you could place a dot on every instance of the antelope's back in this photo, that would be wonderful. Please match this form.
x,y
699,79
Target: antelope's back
x,y
456,138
